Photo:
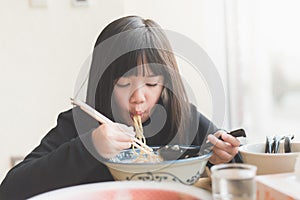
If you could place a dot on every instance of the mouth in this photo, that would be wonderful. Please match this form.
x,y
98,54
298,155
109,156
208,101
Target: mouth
x,y
140,113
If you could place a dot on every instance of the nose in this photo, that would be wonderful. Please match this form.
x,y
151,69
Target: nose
x,y
138,96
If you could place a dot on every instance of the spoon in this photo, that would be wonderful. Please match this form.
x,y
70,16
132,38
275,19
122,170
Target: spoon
x,y
273,142
287,143
275,146
175,152
269,144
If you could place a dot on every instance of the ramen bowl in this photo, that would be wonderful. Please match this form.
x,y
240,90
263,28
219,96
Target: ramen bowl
x,y
186,171
270,163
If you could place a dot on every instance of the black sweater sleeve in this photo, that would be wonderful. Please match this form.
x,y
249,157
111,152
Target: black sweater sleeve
x,y
204,126
60,160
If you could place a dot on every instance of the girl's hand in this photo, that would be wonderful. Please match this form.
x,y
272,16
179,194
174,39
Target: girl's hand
x,y
110,139
223,151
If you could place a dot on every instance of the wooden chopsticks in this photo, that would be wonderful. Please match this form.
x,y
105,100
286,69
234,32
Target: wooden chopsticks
x,y
103,119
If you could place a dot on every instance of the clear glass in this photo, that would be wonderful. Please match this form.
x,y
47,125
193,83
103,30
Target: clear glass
x,y
233,181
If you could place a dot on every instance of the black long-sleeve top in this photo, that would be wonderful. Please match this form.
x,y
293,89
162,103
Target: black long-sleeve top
x,y
62,159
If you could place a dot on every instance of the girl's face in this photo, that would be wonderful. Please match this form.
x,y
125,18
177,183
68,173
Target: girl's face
x,y
137,95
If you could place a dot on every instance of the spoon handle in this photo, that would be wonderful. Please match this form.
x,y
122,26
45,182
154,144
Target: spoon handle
x,y
269,144
238,133
287,145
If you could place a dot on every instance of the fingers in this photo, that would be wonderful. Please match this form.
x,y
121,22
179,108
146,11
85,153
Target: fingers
x,y
212,139
230,139
119,146
224,150
114,148
220,157
225,154
128,130
118,132
110,139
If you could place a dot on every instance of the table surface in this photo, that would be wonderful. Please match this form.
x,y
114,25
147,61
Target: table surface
x,y
204,183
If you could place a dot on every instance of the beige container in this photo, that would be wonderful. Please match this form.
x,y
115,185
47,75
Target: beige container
x,y
270,163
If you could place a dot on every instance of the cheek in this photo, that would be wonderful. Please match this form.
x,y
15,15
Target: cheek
x,y
155,95
120,98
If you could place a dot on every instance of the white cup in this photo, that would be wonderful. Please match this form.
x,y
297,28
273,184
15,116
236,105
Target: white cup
x,y
233,181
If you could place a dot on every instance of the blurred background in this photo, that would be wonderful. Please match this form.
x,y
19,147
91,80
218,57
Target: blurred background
x,y
253,44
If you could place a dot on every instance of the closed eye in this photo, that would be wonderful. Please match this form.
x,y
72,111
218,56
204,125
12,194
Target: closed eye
x,y
151,84
122,85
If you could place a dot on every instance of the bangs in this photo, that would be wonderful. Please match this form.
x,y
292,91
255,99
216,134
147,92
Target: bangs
x,y
145,62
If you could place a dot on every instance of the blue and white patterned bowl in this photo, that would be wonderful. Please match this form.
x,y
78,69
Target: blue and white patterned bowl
x,y
186,171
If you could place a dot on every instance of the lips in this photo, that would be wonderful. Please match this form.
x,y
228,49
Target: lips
x,y
141,113
136,113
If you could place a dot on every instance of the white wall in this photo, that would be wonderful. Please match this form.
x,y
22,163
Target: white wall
x,y
42,50
264,59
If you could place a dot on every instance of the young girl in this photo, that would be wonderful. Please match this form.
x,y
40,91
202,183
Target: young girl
x,y
133,72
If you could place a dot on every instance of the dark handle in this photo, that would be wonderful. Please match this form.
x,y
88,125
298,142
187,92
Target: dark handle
x,y
287,145
269,144
236,133
272,143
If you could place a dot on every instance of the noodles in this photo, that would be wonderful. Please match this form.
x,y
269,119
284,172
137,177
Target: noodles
x,y
147,158
143,156
137,122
